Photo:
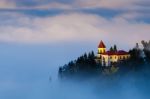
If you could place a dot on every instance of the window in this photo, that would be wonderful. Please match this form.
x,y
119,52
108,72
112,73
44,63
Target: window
x,y
124,57
103,59
120,57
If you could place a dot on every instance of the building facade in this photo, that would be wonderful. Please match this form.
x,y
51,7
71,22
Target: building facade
x,y
108,58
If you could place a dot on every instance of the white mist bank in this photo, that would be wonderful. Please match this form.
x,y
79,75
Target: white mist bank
x,y
130,87
25,72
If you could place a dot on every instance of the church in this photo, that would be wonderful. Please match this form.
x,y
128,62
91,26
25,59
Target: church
x,y
108,58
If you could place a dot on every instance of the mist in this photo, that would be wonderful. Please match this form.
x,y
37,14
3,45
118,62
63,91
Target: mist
x,y
31,72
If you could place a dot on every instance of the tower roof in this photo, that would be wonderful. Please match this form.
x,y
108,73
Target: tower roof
x,y
101,45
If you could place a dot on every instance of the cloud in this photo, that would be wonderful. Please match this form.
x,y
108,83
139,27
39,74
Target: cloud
x,y
71,27
134,15
113,4
129,9
49,29
25,5
5,4
53,5
76,4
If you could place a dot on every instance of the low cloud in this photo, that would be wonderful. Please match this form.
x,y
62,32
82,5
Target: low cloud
x,y
71,27
5,4
77,4
112,4
130,9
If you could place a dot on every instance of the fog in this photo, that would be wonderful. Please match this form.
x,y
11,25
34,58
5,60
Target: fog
x,y
30,72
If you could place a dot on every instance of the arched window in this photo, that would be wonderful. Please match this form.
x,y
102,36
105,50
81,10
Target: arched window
x,y
110,57
124,57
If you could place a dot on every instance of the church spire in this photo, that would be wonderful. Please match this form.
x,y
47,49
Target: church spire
x,y
101,44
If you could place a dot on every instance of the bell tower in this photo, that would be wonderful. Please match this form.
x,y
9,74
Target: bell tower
x,y
101,48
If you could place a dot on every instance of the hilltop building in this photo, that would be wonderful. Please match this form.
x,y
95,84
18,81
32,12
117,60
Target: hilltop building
x,y
108,58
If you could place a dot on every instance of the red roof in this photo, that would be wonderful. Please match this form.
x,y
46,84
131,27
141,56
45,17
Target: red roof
x,y
120,52
101,45
110,53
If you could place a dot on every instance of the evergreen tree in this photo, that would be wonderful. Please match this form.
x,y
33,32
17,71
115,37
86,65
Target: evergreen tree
x,y
85,56
111,49
146,50
115,48
137,46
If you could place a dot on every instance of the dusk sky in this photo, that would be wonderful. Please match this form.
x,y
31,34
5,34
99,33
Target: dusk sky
x,y
38,36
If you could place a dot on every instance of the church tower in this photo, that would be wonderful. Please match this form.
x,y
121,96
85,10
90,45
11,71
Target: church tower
x,y
101,48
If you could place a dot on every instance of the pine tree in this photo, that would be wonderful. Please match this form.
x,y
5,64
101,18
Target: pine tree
x,y
111,49
115,48
137,46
